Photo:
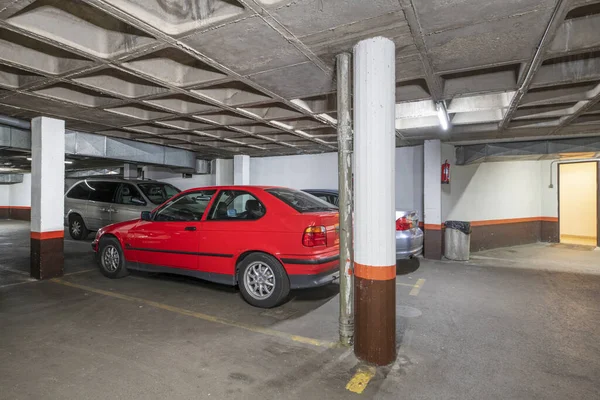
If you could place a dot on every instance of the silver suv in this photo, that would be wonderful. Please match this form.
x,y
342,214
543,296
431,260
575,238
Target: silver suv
x,y
93,203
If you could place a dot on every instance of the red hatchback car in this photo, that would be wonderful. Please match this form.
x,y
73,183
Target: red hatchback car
x,y
267,240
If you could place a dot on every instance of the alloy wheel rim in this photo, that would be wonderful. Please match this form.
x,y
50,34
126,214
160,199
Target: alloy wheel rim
x,y
76,228
259,280
110,258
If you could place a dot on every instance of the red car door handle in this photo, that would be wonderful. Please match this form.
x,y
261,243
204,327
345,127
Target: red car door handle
x,y
190,228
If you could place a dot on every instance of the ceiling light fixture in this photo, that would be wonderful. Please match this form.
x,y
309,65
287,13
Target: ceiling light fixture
x,y
282,125
443,115
66,161
301,104
250,113
302,133
328,118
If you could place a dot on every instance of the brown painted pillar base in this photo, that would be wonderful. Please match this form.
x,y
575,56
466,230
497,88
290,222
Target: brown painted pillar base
x,y
375,317
432,243
47,256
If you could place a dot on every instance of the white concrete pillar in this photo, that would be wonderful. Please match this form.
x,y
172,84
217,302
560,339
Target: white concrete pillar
x,y
432,198
241,170
374,201
130,171
47,197
223,172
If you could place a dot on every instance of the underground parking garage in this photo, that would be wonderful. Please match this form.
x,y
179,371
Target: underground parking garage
x,y
411,114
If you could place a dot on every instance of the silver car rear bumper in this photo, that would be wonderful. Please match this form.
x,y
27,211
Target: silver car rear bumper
x,y
409,243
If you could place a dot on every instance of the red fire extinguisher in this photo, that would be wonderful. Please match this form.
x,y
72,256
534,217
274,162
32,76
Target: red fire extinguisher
x,y
446,172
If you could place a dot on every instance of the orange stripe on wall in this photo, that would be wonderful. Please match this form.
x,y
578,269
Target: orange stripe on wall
x,y
375,273
512,221
433,227
20,207
48,235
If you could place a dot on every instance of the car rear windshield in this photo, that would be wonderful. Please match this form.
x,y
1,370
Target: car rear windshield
x,y
158,193
301,201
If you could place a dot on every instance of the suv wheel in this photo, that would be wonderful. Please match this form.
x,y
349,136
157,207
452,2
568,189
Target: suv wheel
x,y
77,228
263,281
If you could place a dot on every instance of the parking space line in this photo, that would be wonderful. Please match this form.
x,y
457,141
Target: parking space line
x,y
417,288
81,272
19,283
205,317
14,271
404,284
361,379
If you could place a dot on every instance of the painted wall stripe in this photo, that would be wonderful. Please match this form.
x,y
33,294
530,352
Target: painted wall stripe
x,y
48,235
512,221
375,273
433,227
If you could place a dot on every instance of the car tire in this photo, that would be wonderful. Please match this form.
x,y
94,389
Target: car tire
x,y
111,259
77,228
263,281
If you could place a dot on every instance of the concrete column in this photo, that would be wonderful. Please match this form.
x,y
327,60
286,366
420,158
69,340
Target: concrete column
x,y
130,171
374,201
241,170
432,198
223,170
47,197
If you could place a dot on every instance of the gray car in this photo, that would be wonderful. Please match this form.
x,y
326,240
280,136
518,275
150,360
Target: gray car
x,y
93,203
409,237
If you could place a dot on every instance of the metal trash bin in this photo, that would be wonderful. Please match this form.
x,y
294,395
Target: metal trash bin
x,y
457,240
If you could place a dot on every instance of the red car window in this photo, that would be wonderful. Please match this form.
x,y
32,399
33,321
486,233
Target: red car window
x,y
235,205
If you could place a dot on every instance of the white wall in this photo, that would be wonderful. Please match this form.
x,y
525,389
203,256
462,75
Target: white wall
x,y
320,171
20,193
494,190
549,196
16,195
4,195
314,171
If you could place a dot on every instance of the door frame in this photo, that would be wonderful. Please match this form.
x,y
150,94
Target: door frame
x,y
597,196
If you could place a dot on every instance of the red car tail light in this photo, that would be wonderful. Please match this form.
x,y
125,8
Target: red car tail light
x,y
403,224
315,236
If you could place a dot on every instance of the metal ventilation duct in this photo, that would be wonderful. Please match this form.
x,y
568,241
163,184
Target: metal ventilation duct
x,y
533,150
9,179
99,146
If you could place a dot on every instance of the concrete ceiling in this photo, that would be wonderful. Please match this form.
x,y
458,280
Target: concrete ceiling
x,y
225,77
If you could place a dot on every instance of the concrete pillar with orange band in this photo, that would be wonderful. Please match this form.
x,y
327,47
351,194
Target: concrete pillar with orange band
x,y
47,201
432,198
374,201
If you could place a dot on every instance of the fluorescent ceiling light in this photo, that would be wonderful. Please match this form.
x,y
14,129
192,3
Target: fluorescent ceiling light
x,y
302,104
443,115
66,161
302,133
328,118
282,125
250,113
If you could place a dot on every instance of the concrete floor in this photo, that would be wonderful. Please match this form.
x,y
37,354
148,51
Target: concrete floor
x,y
498,327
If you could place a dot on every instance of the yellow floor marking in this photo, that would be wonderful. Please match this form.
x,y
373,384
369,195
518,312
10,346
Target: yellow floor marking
x,y
81,272
205,317
417,288
360,380
404,284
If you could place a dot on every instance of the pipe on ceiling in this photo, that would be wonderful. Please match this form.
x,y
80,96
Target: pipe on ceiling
x,y
14,122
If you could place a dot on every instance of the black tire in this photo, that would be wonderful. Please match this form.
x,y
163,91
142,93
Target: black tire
x,y
113,246
77,228
279,278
